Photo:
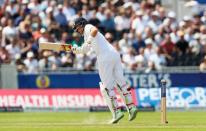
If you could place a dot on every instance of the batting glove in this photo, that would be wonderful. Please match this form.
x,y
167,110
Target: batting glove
x,y
75,50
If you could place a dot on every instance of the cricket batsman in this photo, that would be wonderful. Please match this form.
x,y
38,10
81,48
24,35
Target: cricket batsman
x,y
110,69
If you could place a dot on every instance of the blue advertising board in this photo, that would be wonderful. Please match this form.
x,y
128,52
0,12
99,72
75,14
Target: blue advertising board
x,y
91,80
172,79
182,97
58,81
201,1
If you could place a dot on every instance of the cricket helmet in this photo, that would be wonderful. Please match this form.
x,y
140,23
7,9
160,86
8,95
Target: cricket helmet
x,y
79,22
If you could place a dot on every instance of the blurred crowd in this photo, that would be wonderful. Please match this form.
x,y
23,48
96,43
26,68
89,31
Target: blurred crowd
x,y
146,35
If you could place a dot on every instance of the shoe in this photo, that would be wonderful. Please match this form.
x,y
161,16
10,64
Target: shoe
x,y
118,116
132,113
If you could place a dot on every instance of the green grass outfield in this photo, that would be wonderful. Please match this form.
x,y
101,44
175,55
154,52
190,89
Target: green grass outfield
x,y
82,121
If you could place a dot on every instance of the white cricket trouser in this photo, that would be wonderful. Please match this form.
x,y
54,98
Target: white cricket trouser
x,y
111,75
111,71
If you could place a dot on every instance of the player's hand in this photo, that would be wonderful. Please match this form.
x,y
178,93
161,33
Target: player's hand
x,y
74,50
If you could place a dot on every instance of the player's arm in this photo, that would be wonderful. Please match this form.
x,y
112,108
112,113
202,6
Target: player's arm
x,y
87,45
92,35
81,50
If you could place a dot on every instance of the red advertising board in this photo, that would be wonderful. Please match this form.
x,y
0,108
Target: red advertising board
x,y
59,98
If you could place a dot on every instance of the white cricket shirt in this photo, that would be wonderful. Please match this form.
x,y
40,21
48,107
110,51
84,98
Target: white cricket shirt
x,y
100,45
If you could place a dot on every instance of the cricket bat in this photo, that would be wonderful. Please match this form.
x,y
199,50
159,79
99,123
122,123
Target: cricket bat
x,y
55,46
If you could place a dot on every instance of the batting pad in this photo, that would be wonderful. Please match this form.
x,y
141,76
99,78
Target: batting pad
x,y
109,97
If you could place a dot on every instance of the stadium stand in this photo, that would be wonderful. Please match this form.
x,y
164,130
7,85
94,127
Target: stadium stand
x,y
146,35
